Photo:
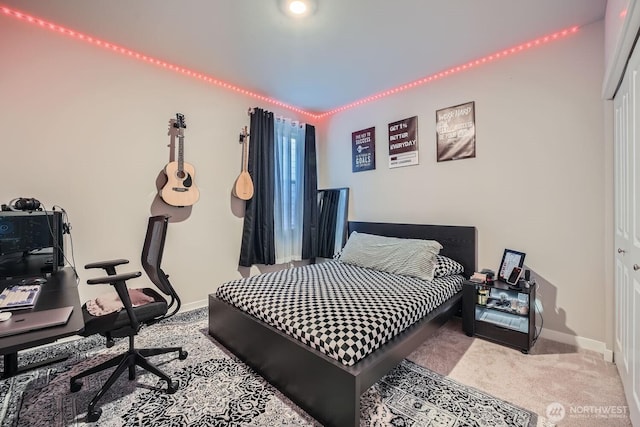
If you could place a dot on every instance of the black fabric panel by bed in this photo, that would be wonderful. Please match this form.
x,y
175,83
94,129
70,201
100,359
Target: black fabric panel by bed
x,y
328,390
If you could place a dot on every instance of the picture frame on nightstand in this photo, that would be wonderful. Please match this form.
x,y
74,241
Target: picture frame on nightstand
x,y
510,259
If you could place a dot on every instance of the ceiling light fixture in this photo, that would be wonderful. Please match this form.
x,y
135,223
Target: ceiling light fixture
x,y
298,8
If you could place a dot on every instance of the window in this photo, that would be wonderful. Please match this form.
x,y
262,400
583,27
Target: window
x,y
289,189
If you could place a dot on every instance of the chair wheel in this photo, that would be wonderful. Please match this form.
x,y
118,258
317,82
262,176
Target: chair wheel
x,y
75,386
172,387
182,354
93,415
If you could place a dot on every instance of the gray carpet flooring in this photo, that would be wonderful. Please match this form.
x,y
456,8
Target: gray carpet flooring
x,y
554,375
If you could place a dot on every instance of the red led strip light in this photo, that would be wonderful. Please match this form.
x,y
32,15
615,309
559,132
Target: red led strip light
x,y
481,61
212,80
137,55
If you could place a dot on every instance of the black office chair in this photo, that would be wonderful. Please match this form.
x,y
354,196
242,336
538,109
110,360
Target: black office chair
x,y
127,322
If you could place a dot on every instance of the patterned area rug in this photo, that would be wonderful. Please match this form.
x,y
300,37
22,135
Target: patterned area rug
x,y
218,390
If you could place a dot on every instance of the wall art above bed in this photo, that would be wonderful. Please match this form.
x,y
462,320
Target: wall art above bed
x,y
403,143
456,132
363,150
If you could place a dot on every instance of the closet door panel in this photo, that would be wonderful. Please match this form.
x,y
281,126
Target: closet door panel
x,y
632,258
621,180
627,233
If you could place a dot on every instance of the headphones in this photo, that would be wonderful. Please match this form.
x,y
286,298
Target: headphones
x,y
24,204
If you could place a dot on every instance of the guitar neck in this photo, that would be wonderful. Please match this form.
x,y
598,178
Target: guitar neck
x,y
245,154
180,151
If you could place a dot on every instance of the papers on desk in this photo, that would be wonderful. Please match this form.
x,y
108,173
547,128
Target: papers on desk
x,y
19,296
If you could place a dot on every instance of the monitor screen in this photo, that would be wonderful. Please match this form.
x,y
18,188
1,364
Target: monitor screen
x,y
28,236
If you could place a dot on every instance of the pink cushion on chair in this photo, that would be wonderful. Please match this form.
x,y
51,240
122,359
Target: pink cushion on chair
x,y
110,302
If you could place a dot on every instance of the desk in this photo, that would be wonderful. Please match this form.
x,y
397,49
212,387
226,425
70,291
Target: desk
x,y
60,290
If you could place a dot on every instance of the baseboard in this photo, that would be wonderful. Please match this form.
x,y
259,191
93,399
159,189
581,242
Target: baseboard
x,y
580,342
194,305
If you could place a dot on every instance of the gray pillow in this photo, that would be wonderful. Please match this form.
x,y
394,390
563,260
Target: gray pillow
x,y
408,257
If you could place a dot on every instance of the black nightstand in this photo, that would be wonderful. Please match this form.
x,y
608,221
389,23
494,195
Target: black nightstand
x,y
500,313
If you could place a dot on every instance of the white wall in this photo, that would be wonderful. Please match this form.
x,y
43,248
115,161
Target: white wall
x,y
536,184
622,19
616,13
86,129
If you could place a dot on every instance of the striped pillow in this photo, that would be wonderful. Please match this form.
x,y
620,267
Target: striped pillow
x,y
407,257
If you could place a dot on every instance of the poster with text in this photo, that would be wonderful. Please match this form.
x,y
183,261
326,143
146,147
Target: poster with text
x,y
363,150
456,132
403,142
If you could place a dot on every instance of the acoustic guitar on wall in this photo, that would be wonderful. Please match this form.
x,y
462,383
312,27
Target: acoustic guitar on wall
x,y
243,188
180,190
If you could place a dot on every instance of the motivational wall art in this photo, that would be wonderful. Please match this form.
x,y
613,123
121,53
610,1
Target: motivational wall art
x,y
363,150
403,142
456,132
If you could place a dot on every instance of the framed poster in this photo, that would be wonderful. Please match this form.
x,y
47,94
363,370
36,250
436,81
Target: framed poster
x,y
363,150
510,259
456,132
403,142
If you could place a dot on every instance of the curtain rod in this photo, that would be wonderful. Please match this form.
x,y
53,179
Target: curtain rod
x,y
251,110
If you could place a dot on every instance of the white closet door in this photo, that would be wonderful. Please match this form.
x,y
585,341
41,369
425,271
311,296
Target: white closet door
x,y
632,258
621,156
627,233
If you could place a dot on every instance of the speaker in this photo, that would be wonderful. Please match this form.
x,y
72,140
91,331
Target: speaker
x,y
527,275
25,204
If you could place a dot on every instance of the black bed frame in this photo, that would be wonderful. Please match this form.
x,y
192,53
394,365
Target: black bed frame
x,y
326,389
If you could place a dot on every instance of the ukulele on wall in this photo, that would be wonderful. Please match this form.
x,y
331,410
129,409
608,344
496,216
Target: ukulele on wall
x,y
180,190
243,188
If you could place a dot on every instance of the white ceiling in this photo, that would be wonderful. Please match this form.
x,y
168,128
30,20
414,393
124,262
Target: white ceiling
x,y
348,50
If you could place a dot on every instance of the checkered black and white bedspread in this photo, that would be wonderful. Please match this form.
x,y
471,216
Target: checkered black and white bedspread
x,y
344,311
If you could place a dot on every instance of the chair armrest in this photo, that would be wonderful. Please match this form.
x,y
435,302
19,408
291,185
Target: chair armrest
x,y
106,264
114,278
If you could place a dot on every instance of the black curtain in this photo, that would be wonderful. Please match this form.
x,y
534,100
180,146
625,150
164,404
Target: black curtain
x,y
310,209
258,245
329,200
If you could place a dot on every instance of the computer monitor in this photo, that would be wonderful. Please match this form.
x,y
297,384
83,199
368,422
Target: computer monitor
x,y
31,242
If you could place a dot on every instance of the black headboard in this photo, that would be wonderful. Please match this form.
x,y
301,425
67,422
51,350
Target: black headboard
x,y
458,242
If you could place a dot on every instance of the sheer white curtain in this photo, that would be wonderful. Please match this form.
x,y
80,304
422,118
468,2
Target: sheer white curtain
x,y
289,189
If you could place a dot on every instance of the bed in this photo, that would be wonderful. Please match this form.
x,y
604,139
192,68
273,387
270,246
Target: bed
x,y
325,385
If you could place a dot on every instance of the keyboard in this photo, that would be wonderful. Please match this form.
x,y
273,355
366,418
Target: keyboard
x,y
19,296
